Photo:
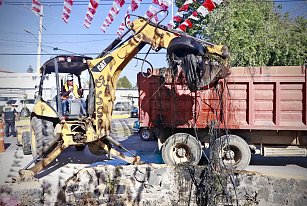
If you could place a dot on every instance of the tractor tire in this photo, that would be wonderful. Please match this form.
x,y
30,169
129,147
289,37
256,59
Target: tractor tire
x,y
191,54
182,45
80,147
24,112
181,148
146,134
42,136
231,152
26,143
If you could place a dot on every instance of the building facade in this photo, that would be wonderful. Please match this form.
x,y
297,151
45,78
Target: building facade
x,y
25,86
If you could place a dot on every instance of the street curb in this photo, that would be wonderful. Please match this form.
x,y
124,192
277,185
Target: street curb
x,y
120,116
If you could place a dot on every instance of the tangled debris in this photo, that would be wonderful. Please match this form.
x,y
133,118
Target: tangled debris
x,y
201,69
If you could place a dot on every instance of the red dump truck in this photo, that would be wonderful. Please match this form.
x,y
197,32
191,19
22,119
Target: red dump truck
x,y
260,110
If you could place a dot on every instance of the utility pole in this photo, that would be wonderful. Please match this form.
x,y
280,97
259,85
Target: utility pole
x,y
39,48
172,9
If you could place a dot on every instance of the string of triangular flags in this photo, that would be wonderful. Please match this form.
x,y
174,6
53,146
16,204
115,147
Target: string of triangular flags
x,y
67,9
36,6
178,22
131,8
91,11
204,9
163,5
116,6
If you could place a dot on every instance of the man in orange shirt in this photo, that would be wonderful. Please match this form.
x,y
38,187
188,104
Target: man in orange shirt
x,y
71,92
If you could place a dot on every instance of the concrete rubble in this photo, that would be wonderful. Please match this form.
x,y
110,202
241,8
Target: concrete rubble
x,y
151,184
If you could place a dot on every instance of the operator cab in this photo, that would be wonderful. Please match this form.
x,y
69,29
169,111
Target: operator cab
x,y
64,83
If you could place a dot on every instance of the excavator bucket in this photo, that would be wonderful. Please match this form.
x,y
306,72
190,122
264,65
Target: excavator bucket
x,y
201,71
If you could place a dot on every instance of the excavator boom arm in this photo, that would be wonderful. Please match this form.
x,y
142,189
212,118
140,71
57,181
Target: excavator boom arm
x,y
106,70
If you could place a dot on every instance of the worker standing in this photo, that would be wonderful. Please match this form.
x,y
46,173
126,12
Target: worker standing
x,y
9,117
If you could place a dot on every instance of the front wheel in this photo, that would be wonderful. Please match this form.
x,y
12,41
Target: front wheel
x,y
232,152
181,148
146,134
42,136
26,143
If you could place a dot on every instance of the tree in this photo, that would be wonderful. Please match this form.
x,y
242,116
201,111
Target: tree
x,y
123,82
255,32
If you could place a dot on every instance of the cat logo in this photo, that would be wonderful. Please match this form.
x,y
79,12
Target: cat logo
x,y
99,67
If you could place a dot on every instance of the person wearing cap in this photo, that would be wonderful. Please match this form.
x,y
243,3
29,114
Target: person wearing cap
x,y
71,92
9,116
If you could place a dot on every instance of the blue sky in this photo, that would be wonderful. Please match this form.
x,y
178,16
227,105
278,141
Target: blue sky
x,y
72,36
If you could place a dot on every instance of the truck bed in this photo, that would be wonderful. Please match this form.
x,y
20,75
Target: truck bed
x,y
254,98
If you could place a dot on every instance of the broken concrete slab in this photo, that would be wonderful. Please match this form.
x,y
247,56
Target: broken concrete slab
x,y
157,184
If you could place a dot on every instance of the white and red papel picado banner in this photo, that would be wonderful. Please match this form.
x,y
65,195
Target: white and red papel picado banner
x,y
181,21
203,10
67,9
36,7
91,11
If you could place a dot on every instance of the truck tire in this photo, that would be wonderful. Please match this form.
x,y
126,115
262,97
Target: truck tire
x,y
146,134
24,112
42,136
232,152
26,143
181,148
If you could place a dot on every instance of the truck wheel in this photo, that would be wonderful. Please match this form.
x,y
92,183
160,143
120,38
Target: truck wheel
x,y
232,152
146,134
26,143
181,148
24,112
42,136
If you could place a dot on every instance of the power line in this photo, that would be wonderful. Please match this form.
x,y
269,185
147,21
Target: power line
x,y
109,2
60,3
56,42
61,34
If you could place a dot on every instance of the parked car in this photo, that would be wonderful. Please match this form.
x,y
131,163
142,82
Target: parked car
x,y
23,106
134,112
145,133
122,106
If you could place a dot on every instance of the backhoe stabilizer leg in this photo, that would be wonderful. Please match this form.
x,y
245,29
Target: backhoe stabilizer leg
x,y
26,174
132,160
